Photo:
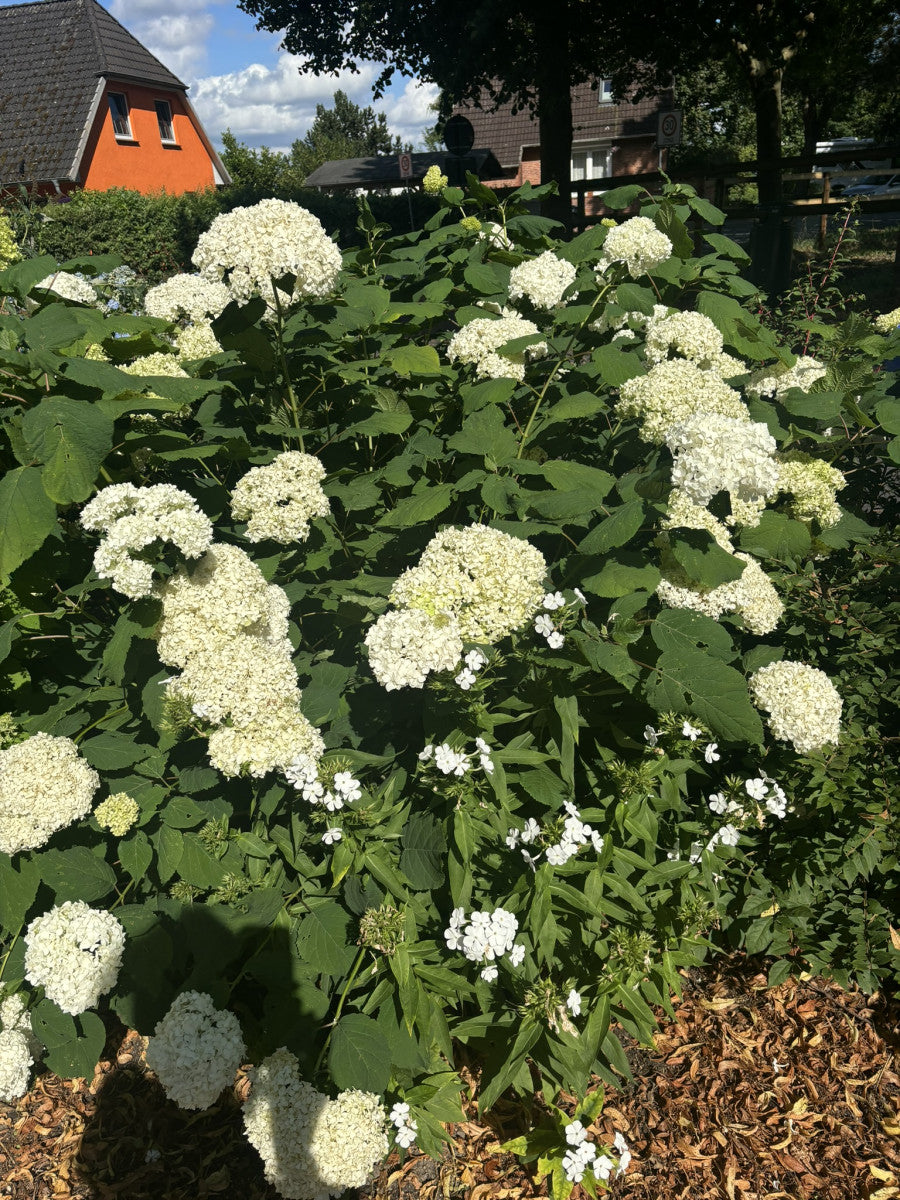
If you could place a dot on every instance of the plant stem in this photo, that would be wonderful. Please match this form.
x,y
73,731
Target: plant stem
x,y
282,358
337,1014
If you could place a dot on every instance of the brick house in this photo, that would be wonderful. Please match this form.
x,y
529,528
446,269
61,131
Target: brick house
x,y
608,137
84,104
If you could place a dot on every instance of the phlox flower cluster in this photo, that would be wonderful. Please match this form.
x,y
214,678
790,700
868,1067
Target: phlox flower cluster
x,y
434,181
689,334
249,247
226,629
158,363
803,704
813,485
473,661
675,391
405,1125
279,500
195,1050
485,937
187,296
311,1147
542,280
132,519
716,453
17,1049
638,244
752,595
582,1156
479,342
771,382
887,322
117,813
304,776
768,799
70,287
74,953
543,623
44,786
448,761
575,834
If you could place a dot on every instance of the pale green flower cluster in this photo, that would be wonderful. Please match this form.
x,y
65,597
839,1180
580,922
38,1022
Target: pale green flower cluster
x,y
74,953
44,786
638,244
813,485
312,1147
772,381
542,280
480,341
158,363
70,287
192,296
278,501
803,704
249,247
195,1050
434,182
689,334
887,322
226,629
673,392
117,813
9,250
196,341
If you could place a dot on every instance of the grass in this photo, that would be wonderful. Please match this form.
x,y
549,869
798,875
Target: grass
x,y
865,263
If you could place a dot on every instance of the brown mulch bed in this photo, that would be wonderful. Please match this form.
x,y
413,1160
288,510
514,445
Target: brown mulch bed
x,y
749,1094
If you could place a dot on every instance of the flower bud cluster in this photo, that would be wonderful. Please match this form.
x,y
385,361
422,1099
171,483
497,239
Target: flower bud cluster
x,y
117,813
44,786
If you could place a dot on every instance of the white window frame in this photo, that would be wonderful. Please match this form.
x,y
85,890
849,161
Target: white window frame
x,y
597,161
604,92
120,116
171,140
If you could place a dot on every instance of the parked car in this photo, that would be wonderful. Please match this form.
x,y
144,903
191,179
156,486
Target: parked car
x,y
876,185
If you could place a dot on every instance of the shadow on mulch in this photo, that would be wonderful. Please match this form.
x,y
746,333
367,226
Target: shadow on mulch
x,y
750,1093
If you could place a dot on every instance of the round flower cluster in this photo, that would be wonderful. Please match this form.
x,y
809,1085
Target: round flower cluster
x,y
191,296
715,453
133,518
249,247
405,1125
752,594
575,834
117,813
279,500
195,1050
489,582
17,1048
582,1155
44,786
479,343
433,182
312,1147
627,324
682,512
197,341
405,646
638,244
769,382
689,334
887,322
158,363
484,937
9,250
803,704
813,485
70,287
456,762
74,953
674,391
541,280
226,628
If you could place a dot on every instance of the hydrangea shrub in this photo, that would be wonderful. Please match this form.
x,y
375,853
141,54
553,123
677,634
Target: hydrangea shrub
x,y
448,654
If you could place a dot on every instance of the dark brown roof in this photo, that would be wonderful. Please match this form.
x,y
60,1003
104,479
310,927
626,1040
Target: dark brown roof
x,y
507,134
384,170
52,56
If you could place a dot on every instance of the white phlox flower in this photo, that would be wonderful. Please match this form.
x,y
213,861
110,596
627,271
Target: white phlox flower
x,y
542,280
44,786
803,704
74,952
573,1003
480,343
711,753
404,1124
195,1050
279,500
691,731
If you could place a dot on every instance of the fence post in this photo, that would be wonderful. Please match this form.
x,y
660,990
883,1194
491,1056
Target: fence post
x,y
823,219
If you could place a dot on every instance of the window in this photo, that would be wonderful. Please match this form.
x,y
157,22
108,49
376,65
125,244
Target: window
x,y
118,110
593,162
604,92
164,120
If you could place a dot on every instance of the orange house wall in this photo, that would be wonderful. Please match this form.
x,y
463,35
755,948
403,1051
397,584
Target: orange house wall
x,y
145,164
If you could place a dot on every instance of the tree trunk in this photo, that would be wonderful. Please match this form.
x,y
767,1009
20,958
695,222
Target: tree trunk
x,y
555,108
766,88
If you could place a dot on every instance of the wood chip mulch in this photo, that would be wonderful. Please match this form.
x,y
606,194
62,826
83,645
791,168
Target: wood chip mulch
x,y
791,1093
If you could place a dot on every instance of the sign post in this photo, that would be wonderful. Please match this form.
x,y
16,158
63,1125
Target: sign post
x,y
668,131
405,161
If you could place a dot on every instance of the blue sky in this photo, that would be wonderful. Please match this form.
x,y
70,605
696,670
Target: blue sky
x,y
239,79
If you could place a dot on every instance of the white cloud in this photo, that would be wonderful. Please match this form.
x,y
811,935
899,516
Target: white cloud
x,y
409,112
178,40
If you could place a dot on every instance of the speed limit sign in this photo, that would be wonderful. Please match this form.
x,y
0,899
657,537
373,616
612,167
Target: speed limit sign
x,y
405,161
669,131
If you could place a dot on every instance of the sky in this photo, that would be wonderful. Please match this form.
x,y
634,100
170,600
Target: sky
x,y
239,79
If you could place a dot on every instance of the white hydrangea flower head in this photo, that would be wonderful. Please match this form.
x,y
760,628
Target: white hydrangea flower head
x,y
405,646
158,363
542,280
195,1050
16,1061
887,322
192,296
803,704
117,813
278,501
196,341
682,512
70,287
673,392
248,247
716,453
480,340
44,786
638,244
812,484
264,745
132,519
689,334
312,1147
489,582
74,952
495,235
752,594
772,381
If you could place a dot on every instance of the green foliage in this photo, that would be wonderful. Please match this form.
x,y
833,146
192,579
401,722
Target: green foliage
x,y
337,948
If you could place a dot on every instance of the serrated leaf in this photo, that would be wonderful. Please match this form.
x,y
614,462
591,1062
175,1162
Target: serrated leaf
x,y
18,888
776,536
169,849
484,432
615,530
27,516
617,366
71,438
420,507
423,845
359,1056
74,1045
703,560
323,941
136,855
714,691
630,573
198,867
76,874
413,360
113,751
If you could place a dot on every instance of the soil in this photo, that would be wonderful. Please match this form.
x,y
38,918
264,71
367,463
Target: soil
x,y
749,1093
